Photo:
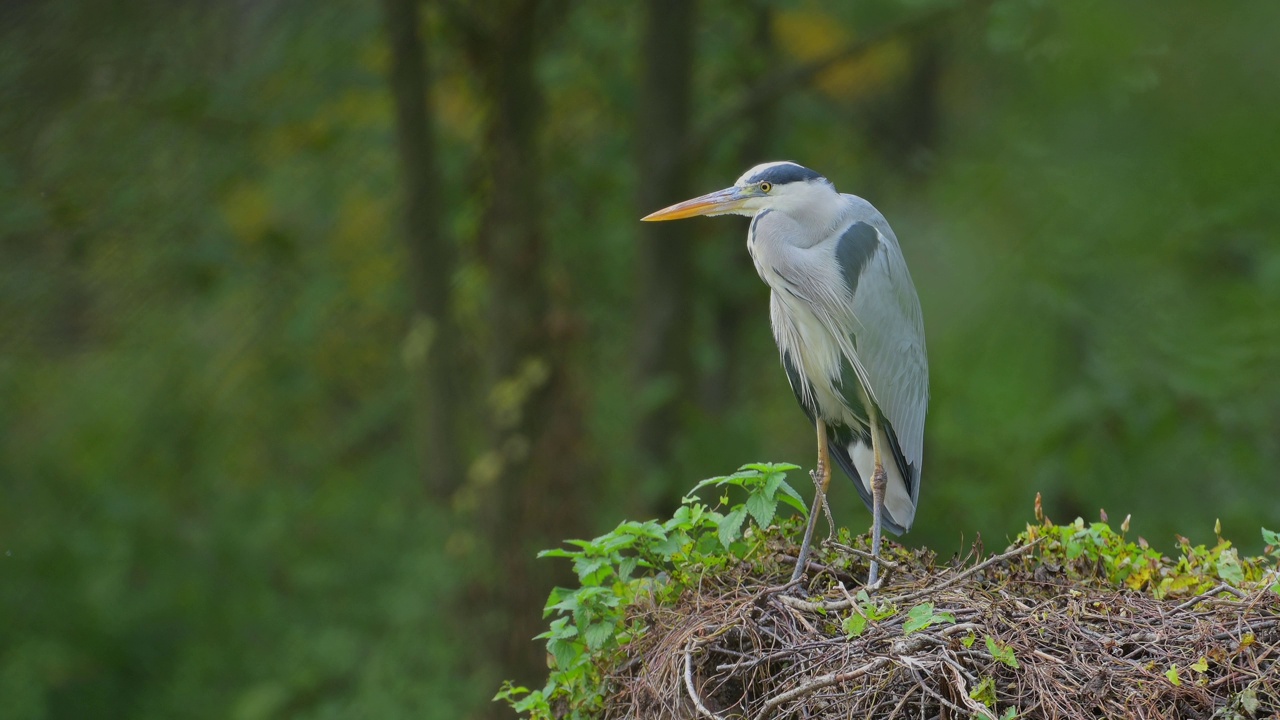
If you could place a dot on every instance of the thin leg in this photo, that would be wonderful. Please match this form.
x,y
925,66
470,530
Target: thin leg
x,y
822,477
879,481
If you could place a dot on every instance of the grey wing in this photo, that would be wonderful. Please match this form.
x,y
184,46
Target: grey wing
x,y
888,333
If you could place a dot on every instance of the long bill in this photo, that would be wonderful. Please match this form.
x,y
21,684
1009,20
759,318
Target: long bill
x,y
720,202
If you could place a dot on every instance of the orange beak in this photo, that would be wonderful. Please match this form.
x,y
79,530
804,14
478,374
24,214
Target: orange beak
x,y
720,202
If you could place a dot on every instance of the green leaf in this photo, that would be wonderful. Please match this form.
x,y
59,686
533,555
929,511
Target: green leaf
x,y
1074,549
670,546
535,700
985,692
792,498
564,652
585,567
704,483
731,526
559,552
854,625
738,478
967,640
1228,566
922,616
1270,538
626,567
1249,701
1010,713
767,468
772,483
1172,674
560,630
1002,653
706,545
597,634
509,691
565,603
1201,665
761,508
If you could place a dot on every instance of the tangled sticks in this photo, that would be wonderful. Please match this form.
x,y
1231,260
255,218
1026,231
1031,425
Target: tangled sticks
x,y
1009,637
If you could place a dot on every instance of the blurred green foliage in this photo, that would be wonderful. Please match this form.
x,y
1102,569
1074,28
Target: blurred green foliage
x,y
209,498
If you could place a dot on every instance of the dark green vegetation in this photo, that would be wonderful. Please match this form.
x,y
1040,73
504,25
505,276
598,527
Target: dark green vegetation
x,y
695,615
319,319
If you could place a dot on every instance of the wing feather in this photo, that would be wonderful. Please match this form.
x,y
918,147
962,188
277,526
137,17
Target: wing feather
x,y
879,319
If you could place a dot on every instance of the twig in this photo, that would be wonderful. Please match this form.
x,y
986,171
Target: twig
x,y
1253,628
812,566
861,553
818,683
688,684
774,589
1047,657
974,706
799,604
1209,595
894,713
957,578
959,627
924,685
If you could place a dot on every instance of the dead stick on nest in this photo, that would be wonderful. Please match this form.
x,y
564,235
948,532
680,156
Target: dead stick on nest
x,y
861,553
1252,627
967,573
688,684
818,683
962,692
1208,595
894,713
923,684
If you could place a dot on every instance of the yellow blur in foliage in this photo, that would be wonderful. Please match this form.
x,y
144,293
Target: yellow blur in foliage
x,y
247,210
810,35
362,222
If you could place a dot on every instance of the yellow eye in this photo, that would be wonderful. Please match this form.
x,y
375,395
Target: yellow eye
x,y
766,186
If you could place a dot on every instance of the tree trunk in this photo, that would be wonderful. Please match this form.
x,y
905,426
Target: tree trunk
x,y
431,258
664,352
537,425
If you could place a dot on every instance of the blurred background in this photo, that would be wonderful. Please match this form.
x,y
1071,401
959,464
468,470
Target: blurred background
x,y
319,319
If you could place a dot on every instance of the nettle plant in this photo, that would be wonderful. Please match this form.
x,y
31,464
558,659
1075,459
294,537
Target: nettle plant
x,y
1095,550
645,559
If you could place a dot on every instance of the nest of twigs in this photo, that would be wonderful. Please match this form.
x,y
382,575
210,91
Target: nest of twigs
x,y
747,645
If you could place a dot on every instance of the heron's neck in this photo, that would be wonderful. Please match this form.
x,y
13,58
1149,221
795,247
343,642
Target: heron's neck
x,y
819,212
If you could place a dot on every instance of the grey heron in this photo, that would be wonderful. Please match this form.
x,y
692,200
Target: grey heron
x,y
847,322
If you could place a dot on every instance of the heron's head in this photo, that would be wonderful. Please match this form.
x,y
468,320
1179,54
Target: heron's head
x,y
783,186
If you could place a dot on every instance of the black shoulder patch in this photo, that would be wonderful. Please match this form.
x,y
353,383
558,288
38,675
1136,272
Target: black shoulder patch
x,y
785,173
854,251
